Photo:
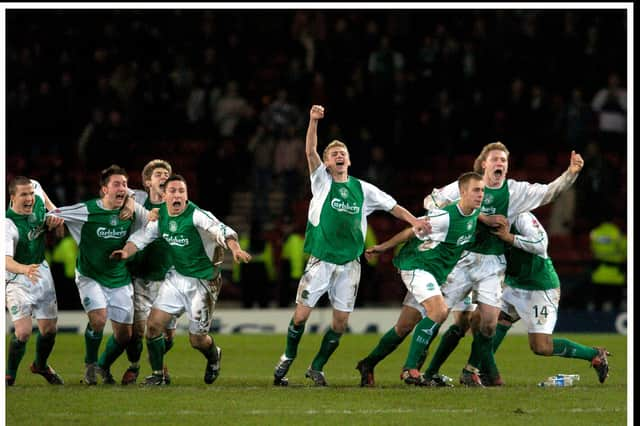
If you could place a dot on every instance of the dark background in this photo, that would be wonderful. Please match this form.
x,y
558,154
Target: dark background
x,y
224,96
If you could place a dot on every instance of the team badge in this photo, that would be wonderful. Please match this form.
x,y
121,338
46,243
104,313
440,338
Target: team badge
x,y
14,309
173,226
469,225
113,220
344,193
488,199
304,294
86,302
430,287
32,218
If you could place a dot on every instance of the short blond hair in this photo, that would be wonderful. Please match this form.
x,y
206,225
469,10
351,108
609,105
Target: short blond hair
x,y
147,171
333,144
499,146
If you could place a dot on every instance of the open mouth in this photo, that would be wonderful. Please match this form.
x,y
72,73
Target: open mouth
x,y
120,197
497,173
176,204
339,163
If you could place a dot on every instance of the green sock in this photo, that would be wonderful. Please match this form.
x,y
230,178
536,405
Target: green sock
x,y
423,335
211,353
387,344
330,342
111,353
168,344
155,348
569,349
44,346
294,335
448,342
17,349
501,332
482,354
92,341
134,349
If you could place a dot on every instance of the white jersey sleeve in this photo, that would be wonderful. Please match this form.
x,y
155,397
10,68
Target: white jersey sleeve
x,y
376,199
37,189
75,216
139,195
11,237
320,187
208,224
531,236
439,220
145,236
141,218
524,196
441,197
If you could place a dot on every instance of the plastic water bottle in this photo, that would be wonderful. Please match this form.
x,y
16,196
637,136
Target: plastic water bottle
x,y
560,380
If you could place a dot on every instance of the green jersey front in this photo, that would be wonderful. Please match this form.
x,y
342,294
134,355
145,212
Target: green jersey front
x,y
191,236
452,233
24,233
98,232
337,219
152,263
510,199
528,265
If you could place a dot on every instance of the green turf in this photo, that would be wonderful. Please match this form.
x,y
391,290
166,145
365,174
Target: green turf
x,y
244,394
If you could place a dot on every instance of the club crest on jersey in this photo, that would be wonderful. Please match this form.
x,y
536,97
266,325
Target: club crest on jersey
x,y
113,220
488,199
469,225
32,218
344,193
173,226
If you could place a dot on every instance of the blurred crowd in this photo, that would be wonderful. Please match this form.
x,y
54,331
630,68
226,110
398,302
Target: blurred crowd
x,y
224,96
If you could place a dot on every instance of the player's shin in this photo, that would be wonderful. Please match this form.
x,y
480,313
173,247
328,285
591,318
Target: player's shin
x,y
44,346
448,343
423,335
330,342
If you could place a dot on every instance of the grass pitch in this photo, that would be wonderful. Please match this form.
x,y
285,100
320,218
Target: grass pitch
x,y
244,394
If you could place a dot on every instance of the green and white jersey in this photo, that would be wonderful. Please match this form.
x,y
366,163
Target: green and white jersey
x,y
337,219
24,234
511,199
452,233
528,264
98,232
152,263
192,237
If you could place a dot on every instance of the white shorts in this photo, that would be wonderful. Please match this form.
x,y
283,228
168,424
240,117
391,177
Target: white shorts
x,y
466,305
144,294
25,299
421,285
482,273
179,294
410,301
118,301
537,308
339,281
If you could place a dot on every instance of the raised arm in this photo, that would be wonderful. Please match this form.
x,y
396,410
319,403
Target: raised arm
x,y
311,147
565,180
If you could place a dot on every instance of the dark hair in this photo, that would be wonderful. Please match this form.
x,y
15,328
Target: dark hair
x,y
18,180
173,178
113,169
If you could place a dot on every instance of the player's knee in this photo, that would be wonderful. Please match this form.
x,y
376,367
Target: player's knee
x,y
23,335
403,329
438,315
